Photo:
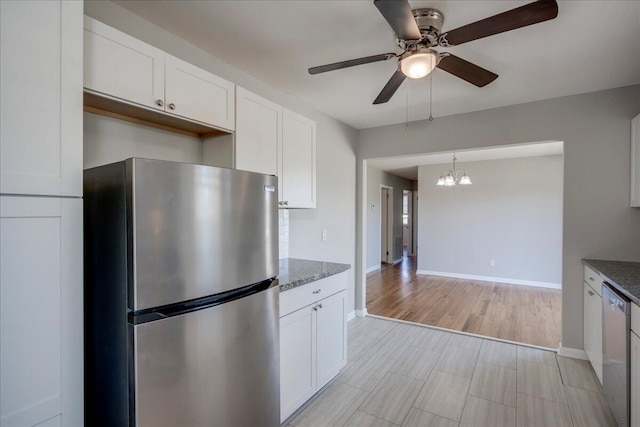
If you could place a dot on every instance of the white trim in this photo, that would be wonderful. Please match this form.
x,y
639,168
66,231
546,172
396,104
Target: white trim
x,y
573,353
362,313
397,261
351,315
492,279
374,268
453,331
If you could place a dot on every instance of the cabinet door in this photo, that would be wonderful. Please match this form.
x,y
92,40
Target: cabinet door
x,y
41,98
593,329
122,66
297,359
298,161
196,94
41,365
258,133
635,380
332,336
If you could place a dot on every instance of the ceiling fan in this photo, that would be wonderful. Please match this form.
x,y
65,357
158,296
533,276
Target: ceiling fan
x,y
419,30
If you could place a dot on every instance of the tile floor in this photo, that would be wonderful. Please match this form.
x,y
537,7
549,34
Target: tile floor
x,y
405,375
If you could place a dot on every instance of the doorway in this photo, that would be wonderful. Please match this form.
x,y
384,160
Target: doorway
x,y
386,224
407,223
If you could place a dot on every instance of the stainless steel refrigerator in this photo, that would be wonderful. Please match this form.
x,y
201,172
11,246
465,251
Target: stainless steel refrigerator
x,y
181,296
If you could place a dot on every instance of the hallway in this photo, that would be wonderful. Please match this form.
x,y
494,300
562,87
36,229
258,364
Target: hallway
x,y
524,314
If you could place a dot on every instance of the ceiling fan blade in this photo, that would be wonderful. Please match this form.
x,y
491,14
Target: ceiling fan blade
x,y
390,88
466,70
400,17
351,63
529,14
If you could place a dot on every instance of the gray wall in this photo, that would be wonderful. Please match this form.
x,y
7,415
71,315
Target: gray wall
x,y
512,213
376,177
336,177
596,130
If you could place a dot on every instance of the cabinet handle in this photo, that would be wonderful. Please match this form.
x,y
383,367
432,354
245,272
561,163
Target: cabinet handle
x,y
286,203
590,293
159,103
315,308
172,106
280,203
319,305
317,291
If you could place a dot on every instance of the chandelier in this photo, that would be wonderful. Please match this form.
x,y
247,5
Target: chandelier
x,y
451,178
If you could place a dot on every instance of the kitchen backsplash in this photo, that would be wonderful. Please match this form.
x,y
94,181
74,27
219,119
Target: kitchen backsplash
x,y
283,232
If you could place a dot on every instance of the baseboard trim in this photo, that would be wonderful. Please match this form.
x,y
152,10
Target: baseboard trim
x,y
573,353
453,331
374,268
351,315
492,279
397,261
361,313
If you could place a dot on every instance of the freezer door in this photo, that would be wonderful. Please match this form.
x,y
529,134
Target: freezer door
x,y
198,230
213,367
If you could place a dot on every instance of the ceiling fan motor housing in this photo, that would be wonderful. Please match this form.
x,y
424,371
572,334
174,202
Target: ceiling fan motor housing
x,y
430,24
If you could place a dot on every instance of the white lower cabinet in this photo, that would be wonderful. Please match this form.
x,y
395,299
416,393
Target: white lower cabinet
x,y
41,365
313,341
635,380
593,328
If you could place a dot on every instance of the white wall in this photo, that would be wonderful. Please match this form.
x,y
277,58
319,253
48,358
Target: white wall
x,y
336,167
512,213
596,131
375,178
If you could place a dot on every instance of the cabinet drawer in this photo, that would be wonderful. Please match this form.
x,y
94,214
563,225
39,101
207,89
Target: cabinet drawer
x,y
593,279
304,295
635,318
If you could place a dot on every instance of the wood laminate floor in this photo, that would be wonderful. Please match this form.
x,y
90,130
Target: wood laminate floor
x,y
404,375
524,314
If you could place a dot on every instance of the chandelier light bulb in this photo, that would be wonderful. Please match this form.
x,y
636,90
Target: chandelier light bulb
x,y
465,180
440,180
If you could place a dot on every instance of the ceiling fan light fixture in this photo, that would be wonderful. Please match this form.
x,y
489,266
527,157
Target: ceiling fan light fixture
x,y
419,63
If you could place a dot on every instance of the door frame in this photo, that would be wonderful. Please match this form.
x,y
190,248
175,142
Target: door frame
x,y
409,242
386,212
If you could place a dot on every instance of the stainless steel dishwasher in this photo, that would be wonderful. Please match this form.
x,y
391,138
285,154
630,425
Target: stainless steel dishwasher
x,y
616,325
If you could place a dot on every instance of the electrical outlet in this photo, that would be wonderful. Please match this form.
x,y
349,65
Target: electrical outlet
x,y
324,234
492,263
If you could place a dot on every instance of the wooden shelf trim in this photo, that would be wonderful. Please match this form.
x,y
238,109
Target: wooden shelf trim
x,y
122,110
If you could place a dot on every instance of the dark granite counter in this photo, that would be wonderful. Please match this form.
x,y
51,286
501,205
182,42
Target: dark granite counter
x,y
625,276
297,272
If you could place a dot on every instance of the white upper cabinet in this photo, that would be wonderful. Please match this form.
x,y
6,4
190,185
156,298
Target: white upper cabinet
x,y
635,162
196,94
119,65
258,133
41,98
123,67
275,141
297,170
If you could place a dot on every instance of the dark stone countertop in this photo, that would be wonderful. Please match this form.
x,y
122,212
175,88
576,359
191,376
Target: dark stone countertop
x,y
624,275
297,272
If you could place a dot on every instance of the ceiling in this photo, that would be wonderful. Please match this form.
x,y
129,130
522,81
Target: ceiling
x,y
407,166
591,46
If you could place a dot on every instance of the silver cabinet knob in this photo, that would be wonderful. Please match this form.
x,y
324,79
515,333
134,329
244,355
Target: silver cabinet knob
x,y
591,278
159,103
286,203
315,308
319,305
172,106
590,293
317,291
281,203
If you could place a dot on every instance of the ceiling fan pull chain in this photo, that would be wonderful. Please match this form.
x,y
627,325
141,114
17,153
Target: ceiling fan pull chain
x,y
430,96
406,124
